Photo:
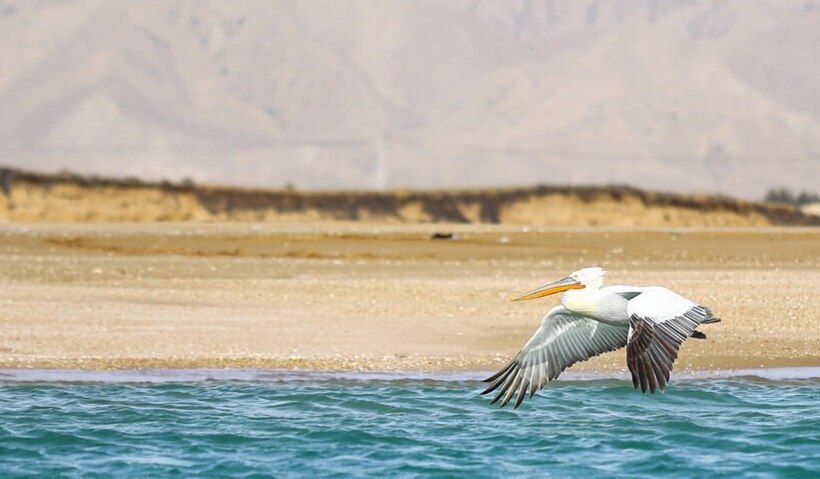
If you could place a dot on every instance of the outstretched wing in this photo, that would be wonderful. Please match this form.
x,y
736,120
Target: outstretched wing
x,y
659,322
563,339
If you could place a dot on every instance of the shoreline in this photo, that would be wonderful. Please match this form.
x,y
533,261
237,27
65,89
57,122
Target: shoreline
x,y
613,362
278,376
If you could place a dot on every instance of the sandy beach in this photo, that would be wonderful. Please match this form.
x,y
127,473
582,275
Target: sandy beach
x,y
355,296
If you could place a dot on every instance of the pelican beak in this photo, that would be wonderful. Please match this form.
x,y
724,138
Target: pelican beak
x,y
557,287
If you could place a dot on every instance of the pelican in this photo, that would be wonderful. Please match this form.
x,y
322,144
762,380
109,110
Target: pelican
x,y
652,322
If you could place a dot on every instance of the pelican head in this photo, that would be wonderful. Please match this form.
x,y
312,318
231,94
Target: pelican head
x,y
588,278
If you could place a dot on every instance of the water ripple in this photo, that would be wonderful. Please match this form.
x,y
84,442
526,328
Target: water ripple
x,y
346,427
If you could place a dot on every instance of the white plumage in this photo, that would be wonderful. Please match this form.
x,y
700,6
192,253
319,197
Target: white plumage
x,y
652,322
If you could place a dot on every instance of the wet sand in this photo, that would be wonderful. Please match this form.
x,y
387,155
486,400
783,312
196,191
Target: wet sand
x,y
353,296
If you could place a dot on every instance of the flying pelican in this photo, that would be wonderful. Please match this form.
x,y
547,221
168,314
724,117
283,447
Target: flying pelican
x,y
652,322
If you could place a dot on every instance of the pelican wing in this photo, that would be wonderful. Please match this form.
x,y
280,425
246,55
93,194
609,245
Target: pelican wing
x,y
659,322
563,339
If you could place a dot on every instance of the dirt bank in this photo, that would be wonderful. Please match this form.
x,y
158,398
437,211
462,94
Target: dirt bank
x,y
32,197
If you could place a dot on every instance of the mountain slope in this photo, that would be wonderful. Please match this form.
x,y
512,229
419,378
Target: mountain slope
x,y
695,96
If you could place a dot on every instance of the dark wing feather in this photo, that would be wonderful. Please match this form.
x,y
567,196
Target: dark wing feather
x,y
654,341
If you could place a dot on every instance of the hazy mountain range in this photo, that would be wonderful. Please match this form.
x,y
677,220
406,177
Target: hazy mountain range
x,y
670,95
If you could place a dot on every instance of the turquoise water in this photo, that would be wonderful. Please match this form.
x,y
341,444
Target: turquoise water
x,y
258,424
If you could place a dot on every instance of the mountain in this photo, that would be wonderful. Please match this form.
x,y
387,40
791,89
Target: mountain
x,y
698,96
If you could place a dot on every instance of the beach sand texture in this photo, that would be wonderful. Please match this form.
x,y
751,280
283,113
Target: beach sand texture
x,y
357,296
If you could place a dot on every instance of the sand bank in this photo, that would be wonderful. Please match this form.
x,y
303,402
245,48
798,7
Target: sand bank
x,y
354,296
36,197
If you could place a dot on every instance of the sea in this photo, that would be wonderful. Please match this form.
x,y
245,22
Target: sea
x,y
265,423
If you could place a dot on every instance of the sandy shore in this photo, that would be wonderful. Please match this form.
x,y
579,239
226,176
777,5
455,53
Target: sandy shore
x,y
353,296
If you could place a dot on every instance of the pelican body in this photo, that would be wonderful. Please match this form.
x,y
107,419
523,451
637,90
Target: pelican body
x,y
651,322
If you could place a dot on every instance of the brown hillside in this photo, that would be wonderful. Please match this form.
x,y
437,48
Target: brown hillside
x,y
35,197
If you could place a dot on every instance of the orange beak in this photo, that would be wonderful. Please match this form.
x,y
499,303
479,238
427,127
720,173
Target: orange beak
x,y
557,287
